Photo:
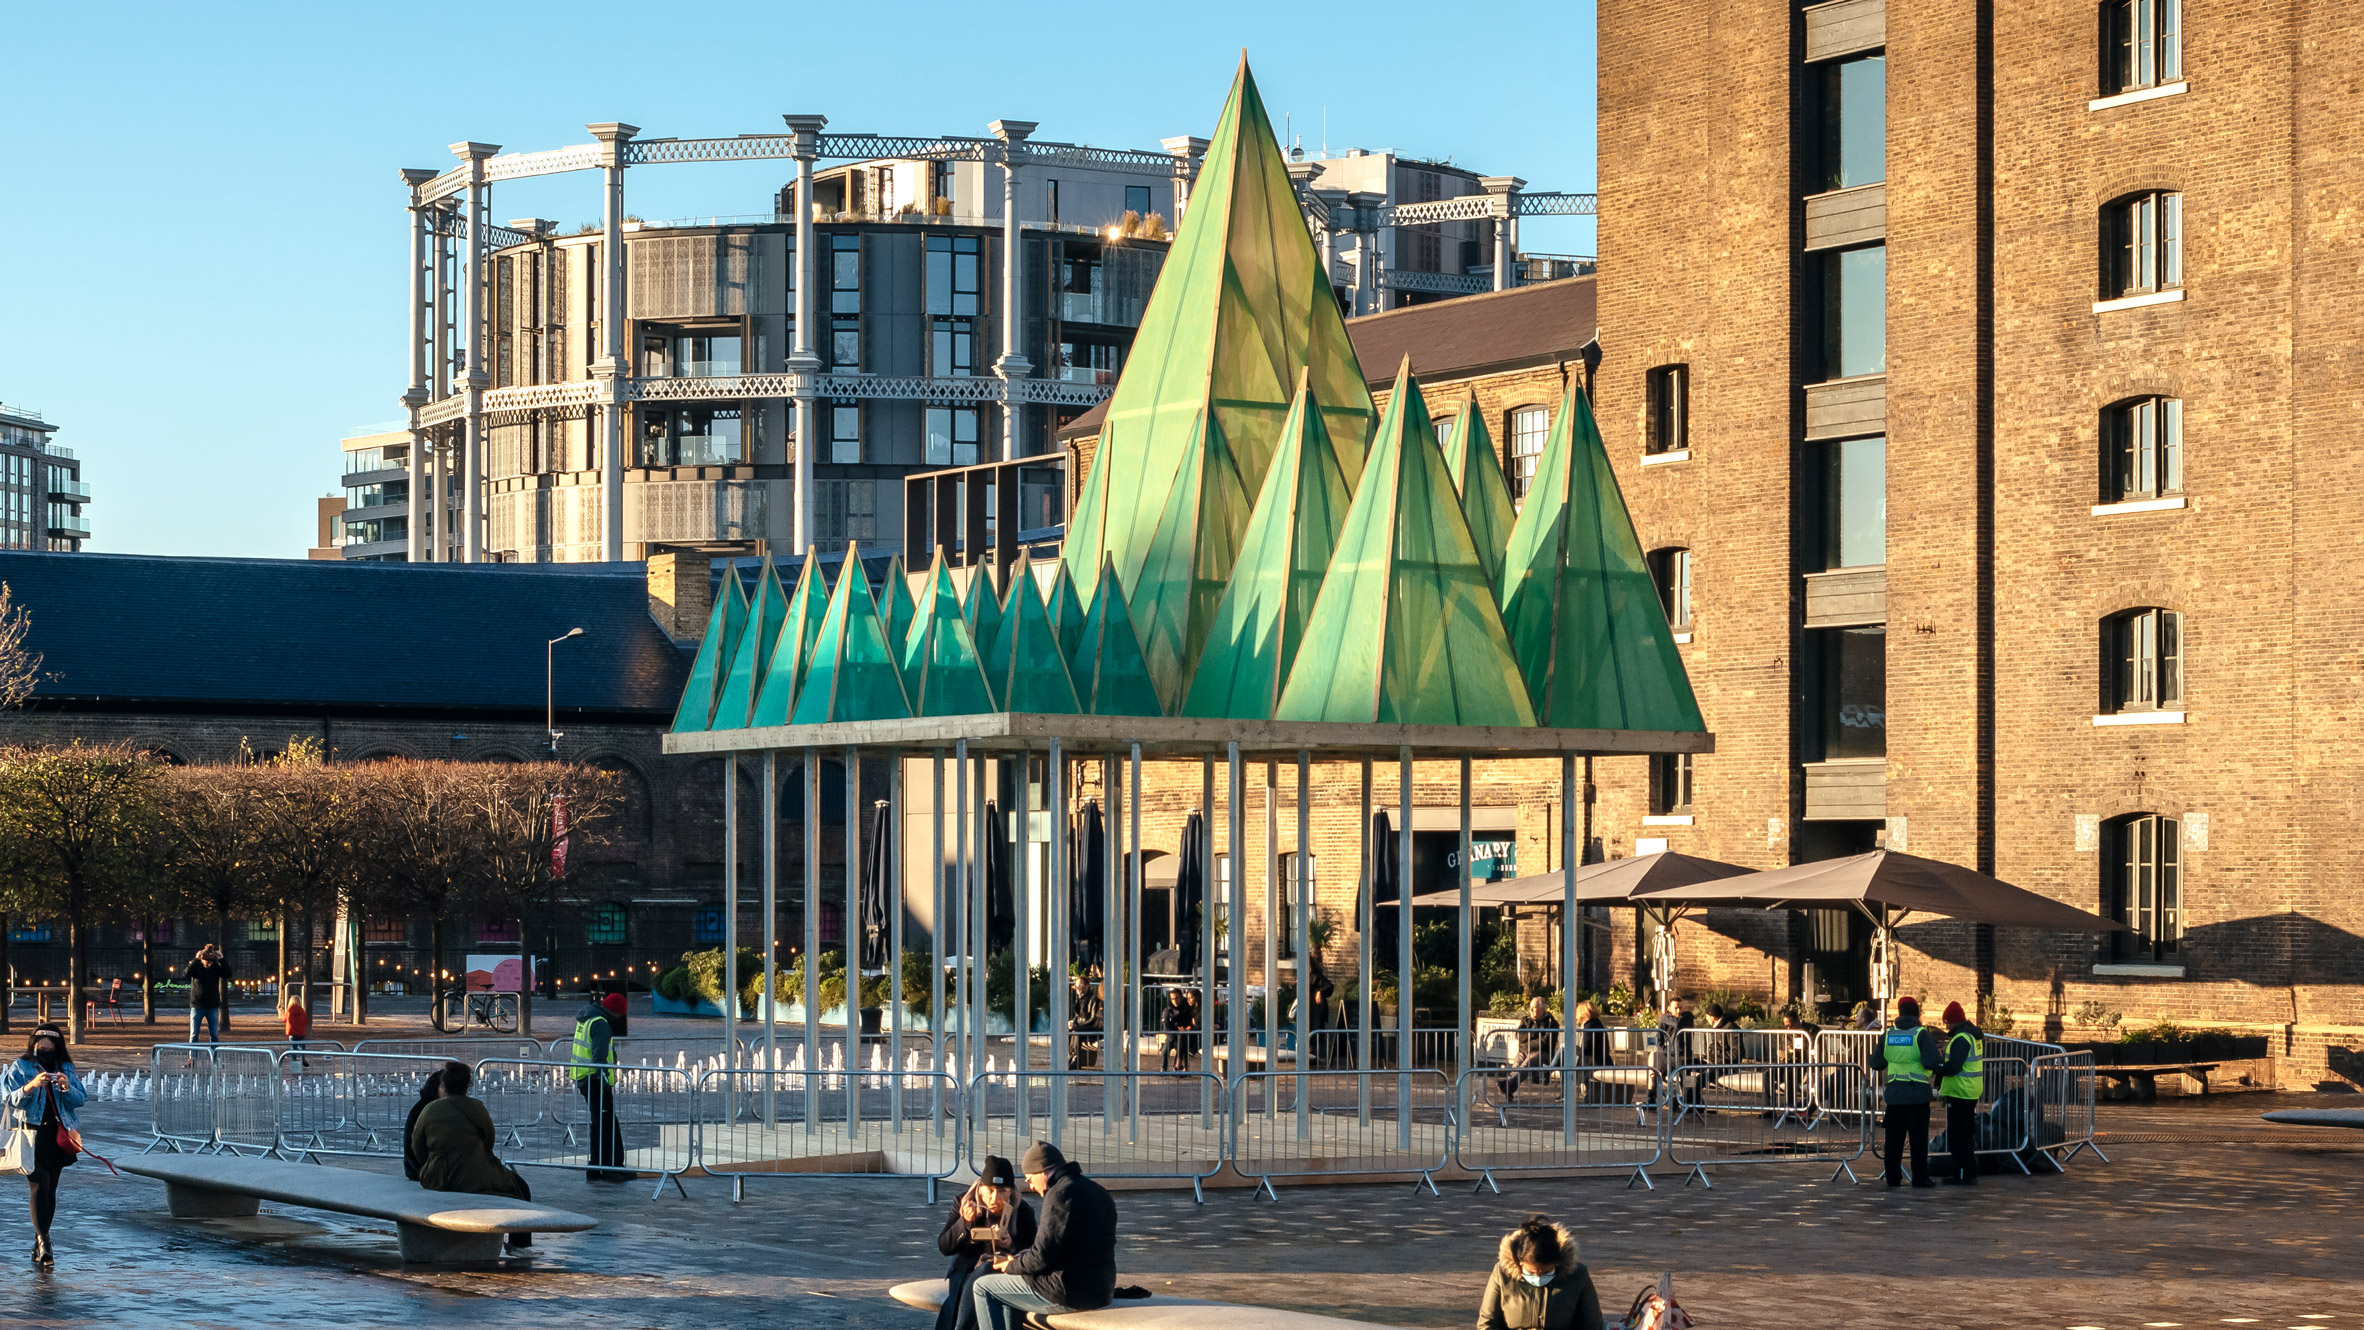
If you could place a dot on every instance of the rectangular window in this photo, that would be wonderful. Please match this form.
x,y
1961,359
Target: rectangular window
x,y
940,185
702,356
2146,647
2149,889
1855,503
1529,427
2144,443
845,343
1853,664
845,274
1671,570
1670,784
2145,249
1852,122
1051,199
845,433
691,436
610,926
2142,43
709,925
1089,362
845,510
1137,200
389,932
1669,388
497,931
952,435
28,932
1855,312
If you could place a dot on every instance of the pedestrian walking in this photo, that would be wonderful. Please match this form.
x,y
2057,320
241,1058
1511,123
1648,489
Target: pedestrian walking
x,y
989,1220
454,1139
1906,1054
1539,1046
42,1090
1175,1018
1538,1284
430,1090
1072,1265
208,974
295,1017
592,1067
1961,1079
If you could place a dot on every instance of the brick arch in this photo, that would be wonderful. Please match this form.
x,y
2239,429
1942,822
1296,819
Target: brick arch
x,y
164,750
2130,182
635,818
384,750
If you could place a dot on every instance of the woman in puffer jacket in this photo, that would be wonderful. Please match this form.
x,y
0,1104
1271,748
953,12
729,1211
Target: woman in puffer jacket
x,y
1538,1283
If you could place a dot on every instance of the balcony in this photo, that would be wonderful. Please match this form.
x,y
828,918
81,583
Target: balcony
x,y
69,491
72,526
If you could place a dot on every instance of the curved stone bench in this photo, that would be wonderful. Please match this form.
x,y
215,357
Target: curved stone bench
x,y
434,1227
2317,1117
1156,1312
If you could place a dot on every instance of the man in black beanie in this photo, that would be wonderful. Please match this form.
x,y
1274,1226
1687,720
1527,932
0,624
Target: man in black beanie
x,y
1072,1265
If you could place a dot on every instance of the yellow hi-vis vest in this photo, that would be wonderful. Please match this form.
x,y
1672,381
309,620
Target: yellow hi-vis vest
x,y
1972,1082
1902,1048
581,1070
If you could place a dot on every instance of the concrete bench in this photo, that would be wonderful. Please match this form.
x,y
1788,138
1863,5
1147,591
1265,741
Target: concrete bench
x,y
434,1227
2317,1117
2143,1081
1156,1312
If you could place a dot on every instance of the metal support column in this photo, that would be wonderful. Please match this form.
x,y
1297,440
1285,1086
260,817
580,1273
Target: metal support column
x,y
1505,189
730,927
1272,911
771,933
415,396
609,364
1207,937
1405,1051
1462,1050
1057,896
1304,937
472,283
1018,836
1570,1056
803,364
893,850
851,930
1133,883
1235,881
810,1053
938,950
1366,906
1013,365
970,1046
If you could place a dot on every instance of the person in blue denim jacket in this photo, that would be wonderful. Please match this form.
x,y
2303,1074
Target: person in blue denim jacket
x,y
42,1090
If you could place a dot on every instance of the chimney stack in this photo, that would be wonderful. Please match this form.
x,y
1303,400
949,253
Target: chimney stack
x,y
681,593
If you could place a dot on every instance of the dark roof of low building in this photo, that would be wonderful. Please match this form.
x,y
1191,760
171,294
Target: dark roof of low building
x,y
1087,425
1490,333
123,630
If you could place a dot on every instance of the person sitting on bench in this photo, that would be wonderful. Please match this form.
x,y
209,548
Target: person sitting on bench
x,y
1072,1265
989,1221
454,1140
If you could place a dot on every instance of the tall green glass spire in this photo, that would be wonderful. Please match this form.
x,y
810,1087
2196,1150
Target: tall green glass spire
x,y
1286,549
1406,630
983,610
716,651
1583,616
1066,611
1485,495
1111,679
853,675
1190,557
895,607
941,670
792,657
1026,668
1241,309
748,664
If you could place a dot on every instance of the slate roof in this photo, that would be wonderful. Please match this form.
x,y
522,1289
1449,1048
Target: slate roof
x,y
1488,333
125,630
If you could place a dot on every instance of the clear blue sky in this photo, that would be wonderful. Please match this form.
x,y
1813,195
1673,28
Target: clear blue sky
x,y
204,235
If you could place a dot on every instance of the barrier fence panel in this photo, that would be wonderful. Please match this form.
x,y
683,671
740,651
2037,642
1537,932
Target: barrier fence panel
x,y
349,1103
2063,1126
543,1116
755,1122
180,1097
282,1045
1603,1125
1352,1123
2006,1110
246,1099
463,1048
1116,1124
1749,1113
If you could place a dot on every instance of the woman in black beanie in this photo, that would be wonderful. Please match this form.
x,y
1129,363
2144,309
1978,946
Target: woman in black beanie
x,y
989,1220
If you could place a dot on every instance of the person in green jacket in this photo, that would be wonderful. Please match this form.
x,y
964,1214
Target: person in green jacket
x,y
453,1138
1908,1055
1538,1284
1961,1079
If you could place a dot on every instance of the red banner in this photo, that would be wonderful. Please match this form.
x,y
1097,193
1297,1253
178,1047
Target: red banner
x,y
558,837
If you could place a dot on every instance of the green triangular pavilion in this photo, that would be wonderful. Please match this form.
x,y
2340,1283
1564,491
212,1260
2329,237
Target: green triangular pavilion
x,y
1584,618
1066,611
1485,494
1026,668
792,656
941,671
1406,630
749,664
716,650
982,607
853,675
895,607
1241,307
1190,556
1282,556
1111,679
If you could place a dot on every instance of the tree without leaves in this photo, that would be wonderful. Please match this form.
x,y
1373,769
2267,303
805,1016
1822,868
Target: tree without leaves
x,y
20,665
513,807
78,815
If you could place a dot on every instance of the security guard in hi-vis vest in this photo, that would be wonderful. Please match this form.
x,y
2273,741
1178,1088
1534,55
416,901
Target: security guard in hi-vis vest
x,y
1908,1054
1960,1081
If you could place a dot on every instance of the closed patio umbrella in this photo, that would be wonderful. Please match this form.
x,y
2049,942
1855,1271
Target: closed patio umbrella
x,y
1087,885
1190,893
877,895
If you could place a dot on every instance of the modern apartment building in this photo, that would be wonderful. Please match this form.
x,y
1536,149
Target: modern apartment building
x,y
1981,374
42,492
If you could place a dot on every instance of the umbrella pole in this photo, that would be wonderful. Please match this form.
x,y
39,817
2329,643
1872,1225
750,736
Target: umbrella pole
x,y
1365,904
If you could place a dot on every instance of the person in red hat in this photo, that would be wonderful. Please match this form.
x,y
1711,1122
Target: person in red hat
x,y
593,1070
1961,1079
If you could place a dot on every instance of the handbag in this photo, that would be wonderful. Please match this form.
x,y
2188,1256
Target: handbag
x,y
16,1152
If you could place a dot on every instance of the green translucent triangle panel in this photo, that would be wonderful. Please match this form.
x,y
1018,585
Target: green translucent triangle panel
x,y
853,676
1406,629
1485,495
941,669
1584,617
792,655
895,607
751,662
716,650
1189,560
1026,668
1111,678
983,610
1066,611
1261,617
1241,309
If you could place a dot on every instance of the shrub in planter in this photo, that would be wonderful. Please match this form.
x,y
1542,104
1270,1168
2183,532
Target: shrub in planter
x,y
673,984
705,973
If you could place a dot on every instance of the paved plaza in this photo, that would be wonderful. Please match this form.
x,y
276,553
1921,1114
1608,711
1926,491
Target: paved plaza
x,y
2206,1217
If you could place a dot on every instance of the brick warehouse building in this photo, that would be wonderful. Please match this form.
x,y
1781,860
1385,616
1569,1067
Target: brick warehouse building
x,y
1972,359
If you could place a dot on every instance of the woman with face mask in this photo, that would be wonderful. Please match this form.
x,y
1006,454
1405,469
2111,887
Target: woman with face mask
x,y
989,1221
1538,1283
42,1090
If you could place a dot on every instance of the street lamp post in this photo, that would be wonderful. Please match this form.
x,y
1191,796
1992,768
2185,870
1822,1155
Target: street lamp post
x,y
550,685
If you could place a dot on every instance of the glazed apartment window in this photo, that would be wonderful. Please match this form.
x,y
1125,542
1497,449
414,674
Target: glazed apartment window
x,y
2144,651
845,302
1851,122
2142,244
1670,784
2141,44
2142,448
1855,504
1529,427
2145,886
845,433
1670,570
952,435
1669,388
1855,312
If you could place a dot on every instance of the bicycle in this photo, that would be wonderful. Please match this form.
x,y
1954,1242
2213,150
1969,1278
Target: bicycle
x,y
470,1011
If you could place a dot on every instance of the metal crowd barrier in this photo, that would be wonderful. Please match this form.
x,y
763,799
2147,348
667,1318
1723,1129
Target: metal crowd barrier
x,y
1545,1127
246,1099
181,1098
1337,1123
1750,1113
2064,1107
541,1118
349,1103
2006,1110
1116,1124
461,1048
766,1122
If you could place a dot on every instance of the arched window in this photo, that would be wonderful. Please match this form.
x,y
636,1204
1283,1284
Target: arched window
x,y
2141,44
2142,652
2143,862
1670,569
2142,244
611,925
2142,449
